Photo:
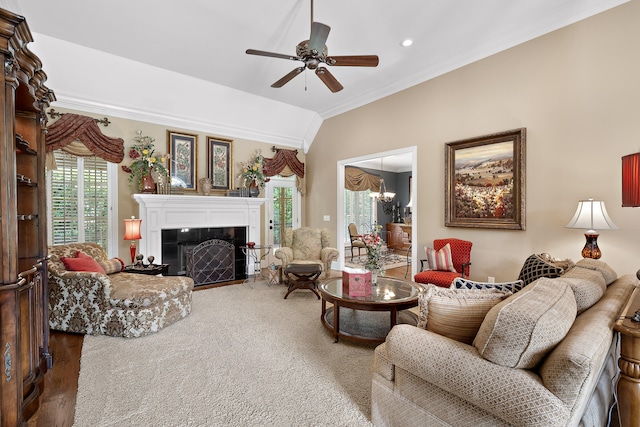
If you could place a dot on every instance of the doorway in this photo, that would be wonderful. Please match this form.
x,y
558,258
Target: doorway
x,y
282,211
410,154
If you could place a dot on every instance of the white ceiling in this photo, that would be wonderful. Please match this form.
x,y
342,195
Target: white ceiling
x,y
207,39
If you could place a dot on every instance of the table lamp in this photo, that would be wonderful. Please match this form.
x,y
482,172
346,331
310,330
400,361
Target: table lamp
x,y
132,232
591,215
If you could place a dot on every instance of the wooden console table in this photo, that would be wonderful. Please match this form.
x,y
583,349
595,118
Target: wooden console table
x,y
628,387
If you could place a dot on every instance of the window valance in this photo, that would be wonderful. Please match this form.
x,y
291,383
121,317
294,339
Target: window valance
x,y
356,179
80,136
285,163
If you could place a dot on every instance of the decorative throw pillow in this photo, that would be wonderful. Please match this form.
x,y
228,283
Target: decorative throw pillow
x,y
522,329
113,265
535,267
588,286
440,260
609,273
82,262
461,283
456,313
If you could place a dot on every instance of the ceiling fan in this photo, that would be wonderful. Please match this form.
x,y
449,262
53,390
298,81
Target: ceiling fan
x,y
313,53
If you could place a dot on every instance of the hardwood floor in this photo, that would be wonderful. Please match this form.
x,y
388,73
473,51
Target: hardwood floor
x,y
57,407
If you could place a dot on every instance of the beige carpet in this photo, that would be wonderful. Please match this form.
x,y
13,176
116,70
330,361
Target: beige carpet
x,y
244,357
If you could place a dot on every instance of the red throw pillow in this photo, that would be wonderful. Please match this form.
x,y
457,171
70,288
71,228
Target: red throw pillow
x,y
82,262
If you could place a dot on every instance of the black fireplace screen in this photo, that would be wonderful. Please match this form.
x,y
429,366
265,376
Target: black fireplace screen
x,y
177,243
212,261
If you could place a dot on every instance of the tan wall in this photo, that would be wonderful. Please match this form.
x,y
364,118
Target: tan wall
x,y
126,129
576,91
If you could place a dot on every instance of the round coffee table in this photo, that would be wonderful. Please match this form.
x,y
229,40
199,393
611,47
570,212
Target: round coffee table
x,y
363,320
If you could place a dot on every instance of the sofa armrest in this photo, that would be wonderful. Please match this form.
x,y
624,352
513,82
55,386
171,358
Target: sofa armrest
x,y
514,395
81,282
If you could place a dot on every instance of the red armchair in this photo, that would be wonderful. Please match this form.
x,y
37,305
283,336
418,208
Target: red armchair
x,y
460,257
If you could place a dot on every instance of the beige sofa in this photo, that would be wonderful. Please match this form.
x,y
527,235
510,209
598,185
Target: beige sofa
x,y
422,378
117,303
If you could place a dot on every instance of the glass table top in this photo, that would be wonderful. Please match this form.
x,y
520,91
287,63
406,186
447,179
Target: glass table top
x,y
388,289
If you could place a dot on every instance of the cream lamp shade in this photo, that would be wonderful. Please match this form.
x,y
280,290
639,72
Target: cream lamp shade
x,y
591,215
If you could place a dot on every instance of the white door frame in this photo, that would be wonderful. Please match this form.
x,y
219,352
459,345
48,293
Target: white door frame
x,y
278,181
413,150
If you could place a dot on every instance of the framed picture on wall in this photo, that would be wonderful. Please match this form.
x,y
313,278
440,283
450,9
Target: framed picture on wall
x,y
183,166
220,155
485,181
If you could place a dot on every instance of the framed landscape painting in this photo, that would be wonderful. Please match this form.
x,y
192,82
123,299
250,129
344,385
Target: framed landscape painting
x,y
220,155
183,169
485,181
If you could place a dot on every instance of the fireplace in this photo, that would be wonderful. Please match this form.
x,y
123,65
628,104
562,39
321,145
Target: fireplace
x,y
166,214
177,242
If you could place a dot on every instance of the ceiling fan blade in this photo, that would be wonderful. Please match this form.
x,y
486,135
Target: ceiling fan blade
x,y
353,61
272,55
328,79
318,37
288,77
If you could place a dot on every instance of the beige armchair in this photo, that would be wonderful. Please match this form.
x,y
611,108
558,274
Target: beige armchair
x,y
307,246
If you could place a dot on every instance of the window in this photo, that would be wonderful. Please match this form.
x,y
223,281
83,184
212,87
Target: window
x,y
79,203
360,209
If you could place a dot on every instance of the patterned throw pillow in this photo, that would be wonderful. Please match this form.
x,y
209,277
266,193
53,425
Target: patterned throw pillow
x,y
82,262
456,313
609,273
535,267
113,265
460,283
522,329
440,260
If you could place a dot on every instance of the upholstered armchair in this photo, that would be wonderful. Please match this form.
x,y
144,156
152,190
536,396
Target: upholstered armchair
x,y
307,246
445,263
356,240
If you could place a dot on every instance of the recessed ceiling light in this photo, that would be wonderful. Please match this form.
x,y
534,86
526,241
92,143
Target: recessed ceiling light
x,y
406,42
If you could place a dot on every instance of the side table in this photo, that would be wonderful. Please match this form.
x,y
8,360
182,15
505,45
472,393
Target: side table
x,y
628,387
255,255
151,269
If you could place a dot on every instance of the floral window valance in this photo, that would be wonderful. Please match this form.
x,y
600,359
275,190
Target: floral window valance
x,y
80,136
358,180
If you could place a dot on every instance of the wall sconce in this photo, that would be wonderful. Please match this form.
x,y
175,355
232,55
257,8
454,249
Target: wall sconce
x,y
591,215
132,232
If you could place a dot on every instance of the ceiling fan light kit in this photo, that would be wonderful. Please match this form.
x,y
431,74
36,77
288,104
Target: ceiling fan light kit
x,y
313,53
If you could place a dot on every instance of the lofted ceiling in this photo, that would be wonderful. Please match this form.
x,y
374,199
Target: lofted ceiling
x,y
207,39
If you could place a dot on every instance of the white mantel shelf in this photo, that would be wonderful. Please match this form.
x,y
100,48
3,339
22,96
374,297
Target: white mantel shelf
x,y
165,212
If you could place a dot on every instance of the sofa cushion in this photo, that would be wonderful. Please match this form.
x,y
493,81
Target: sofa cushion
x,y
82,262
608,273
535,267
588,286
132,290
456,313
521,330
307,244
440,260
113,265
462,283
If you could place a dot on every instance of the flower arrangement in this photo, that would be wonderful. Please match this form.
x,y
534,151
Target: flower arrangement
x,y
374,244
144,159
253,171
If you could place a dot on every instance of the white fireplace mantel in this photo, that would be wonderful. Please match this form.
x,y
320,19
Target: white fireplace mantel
x,y
164,212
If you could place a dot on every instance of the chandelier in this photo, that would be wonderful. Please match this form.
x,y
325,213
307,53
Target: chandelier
x,y
383,195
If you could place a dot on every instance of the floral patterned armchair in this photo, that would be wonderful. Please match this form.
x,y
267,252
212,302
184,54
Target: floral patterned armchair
x,y
307,246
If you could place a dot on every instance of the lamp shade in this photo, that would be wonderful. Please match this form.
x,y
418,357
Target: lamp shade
x,y
591,215
132,229
631,180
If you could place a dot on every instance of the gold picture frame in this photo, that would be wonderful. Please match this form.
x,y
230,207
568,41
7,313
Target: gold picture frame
x,y
485,181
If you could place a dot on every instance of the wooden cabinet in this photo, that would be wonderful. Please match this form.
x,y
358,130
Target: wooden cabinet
x,y
24,329
397,237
